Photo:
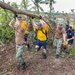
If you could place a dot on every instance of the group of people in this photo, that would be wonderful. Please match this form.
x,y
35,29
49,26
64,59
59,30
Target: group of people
x,y
41,29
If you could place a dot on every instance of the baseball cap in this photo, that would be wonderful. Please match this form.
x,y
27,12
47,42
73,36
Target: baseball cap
x,y
39,25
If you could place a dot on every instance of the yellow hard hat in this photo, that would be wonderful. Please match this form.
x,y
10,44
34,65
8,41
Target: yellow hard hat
x,y
72,26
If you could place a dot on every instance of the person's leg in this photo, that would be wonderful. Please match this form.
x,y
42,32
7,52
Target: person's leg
x,y
59,44
19,52
37,45
26,40
43,45
55,43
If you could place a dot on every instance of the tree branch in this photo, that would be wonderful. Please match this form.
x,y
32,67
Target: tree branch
x,y
18,11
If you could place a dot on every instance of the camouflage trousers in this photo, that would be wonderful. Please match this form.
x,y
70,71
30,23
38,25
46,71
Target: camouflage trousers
x,y
19,51
57,43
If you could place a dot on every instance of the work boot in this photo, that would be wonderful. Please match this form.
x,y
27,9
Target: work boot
x,y
23,66
57,56
67,52
28,46
44,55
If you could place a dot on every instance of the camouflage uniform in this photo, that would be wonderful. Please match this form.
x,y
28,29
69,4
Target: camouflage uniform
x,y
19,51
58,43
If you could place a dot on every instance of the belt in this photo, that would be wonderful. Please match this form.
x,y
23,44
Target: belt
x,y
57,38
20,44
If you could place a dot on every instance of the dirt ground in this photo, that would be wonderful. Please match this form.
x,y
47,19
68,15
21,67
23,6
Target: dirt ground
x,y
35,64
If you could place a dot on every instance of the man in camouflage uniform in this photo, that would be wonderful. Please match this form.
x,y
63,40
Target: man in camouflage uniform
x,y
60,37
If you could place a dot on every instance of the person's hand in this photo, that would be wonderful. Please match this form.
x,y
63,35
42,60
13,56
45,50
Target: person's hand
x,y
64,43
40,17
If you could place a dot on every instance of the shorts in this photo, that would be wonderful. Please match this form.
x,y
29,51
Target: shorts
x,y
70,41
41,43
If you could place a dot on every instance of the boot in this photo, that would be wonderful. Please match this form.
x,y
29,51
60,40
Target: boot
x,y
57,56
44,55
23,66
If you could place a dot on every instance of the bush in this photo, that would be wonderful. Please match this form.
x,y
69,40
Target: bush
x,y
72,51
6,34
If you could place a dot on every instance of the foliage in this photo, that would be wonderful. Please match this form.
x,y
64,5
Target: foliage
x,y
72,51
13,4
25,5
36,3
6,34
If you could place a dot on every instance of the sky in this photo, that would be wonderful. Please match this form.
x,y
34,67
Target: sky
x,y
60,5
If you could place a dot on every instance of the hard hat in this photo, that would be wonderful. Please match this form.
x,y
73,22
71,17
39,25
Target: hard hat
x,y
72,26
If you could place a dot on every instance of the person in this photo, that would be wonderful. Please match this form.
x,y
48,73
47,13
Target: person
x,y
67,26
41,33
70,36
19,40
59,39
72,25
24,25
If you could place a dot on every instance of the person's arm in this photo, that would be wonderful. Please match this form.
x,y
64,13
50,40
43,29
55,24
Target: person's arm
x,y
10,24
64,35
72,36
42,22
64,38
34,25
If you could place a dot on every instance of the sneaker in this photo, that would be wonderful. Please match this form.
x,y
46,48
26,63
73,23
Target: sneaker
x,y
44,55
57,56
23,66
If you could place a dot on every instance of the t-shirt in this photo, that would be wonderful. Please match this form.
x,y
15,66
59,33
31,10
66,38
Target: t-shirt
x,y
24,25
42,33
70,34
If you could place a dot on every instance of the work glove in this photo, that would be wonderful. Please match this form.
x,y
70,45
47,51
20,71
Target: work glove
x,y
15,16
40,17
64,43
33,17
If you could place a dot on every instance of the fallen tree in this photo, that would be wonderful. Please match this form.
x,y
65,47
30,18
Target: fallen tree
x,y
18,11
